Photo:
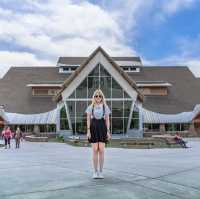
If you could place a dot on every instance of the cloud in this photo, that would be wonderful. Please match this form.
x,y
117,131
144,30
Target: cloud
x,y
63,28
47,29
51,28
19,59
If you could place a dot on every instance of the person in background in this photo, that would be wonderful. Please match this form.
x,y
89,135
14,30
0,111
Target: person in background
x,y
18,136
2,133
179,140
7,135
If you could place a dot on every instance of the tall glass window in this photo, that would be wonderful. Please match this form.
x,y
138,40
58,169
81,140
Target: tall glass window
x,y
135,118
177,127
63,119
117,99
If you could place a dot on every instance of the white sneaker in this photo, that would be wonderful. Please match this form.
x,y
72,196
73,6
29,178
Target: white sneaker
x,y
95,175
101,175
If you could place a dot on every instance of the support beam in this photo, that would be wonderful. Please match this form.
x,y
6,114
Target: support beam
x,y
68,115
130,115
141,117
162,128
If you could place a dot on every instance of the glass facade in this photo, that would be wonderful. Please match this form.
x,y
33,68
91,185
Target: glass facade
x,y
135,118
177,127
117,99
63,119
152,127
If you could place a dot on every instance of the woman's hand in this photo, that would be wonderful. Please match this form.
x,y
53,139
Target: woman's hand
x,y
88,134
108,135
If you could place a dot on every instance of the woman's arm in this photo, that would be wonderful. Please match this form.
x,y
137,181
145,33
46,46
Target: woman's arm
x,y
108,126
88,125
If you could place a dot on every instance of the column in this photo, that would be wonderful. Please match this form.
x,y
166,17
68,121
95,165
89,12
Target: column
x,y
58,118
192,130
141,118
162,128
36,129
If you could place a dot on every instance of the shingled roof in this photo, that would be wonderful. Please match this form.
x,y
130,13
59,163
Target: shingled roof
x,y
81,60
17,97
183,95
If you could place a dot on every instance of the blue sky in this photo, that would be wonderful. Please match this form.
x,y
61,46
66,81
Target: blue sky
x,y
38,32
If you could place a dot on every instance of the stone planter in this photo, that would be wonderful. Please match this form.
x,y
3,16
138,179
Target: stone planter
x,y
32,138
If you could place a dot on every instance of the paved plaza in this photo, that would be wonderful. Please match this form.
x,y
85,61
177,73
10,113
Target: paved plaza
x,y
57,171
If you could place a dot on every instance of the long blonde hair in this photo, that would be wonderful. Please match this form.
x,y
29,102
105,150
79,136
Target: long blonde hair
x,y
98,92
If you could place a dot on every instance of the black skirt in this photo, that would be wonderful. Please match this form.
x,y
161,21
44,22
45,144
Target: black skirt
x,y
98,130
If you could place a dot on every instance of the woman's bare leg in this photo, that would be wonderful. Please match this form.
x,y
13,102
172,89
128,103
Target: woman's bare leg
x,y
101,155
95,156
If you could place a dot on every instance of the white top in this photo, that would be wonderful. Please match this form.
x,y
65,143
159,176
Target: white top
x,y
98,110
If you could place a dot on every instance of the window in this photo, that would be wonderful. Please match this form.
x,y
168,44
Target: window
x,y
63,119
80,108
131,69
117,91
51,128
44,91
81,125
43,128
22,128
105,86
117,109
29,128
177,127
153,91
40,92
67,69
117,99
185,127
135,119
152,127
81,90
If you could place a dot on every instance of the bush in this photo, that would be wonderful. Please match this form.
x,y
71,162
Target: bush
x,y
60,138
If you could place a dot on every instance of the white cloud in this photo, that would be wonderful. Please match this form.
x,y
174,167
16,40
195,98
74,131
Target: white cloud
x,y
52,28
19,59
62,28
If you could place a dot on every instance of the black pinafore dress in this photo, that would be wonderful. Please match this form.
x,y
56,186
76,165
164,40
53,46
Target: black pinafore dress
x,y
98,128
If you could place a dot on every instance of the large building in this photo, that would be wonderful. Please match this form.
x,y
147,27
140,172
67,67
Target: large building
x,y
142,98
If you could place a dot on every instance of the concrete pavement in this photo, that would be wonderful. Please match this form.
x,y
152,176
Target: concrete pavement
x,y
56,170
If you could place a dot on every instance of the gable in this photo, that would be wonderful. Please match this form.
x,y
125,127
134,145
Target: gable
x,y
99,77
99,57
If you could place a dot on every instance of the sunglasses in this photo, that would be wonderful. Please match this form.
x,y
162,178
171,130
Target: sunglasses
x,y
100,96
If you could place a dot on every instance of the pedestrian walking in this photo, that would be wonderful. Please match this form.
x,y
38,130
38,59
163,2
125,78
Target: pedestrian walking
x,y
7,135
18,136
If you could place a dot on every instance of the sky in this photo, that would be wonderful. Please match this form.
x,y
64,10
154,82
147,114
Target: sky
x,y
161,32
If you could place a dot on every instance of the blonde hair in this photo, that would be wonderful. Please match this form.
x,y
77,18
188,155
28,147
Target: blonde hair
x,y
98,92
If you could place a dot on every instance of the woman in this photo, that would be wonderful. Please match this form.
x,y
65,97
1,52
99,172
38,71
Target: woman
x,y
98,130
7,134
18,137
